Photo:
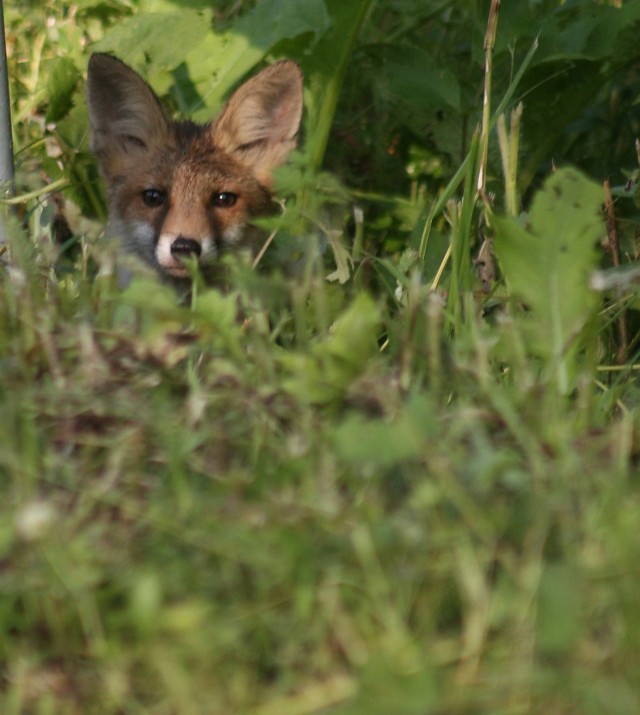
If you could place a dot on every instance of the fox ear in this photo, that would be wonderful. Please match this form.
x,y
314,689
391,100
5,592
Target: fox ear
x,y
124,112
259,123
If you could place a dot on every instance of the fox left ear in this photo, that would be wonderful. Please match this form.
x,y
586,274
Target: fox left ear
x,y
259,123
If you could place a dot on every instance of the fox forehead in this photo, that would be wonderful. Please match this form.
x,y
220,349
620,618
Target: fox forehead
x,y
188,167
200,166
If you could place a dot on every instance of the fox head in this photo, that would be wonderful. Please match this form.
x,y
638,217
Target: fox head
x,y
181,190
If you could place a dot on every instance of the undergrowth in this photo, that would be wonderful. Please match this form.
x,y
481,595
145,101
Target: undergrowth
x,y
393,467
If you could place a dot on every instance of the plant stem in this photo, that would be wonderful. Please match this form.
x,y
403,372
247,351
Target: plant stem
x,y
6,138
509,146
333,87
489,44
36,193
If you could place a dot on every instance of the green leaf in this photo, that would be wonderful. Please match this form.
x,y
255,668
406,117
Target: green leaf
x,y
376,442
546,263
412,76
222,59
558,609
593,36
217,309
323,374
159,40
342,257
155,298
61,86
353,337
216,315
387,687
383,442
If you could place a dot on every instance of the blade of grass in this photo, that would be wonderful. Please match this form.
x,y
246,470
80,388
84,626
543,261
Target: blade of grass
x,y
462,268
437,207
36,193
509,144
6,139
427,219
513,85
332,83
489,44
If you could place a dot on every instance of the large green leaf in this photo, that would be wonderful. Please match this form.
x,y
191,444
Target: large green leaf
x,y
573,30
222,59
160,39
546,263
411,75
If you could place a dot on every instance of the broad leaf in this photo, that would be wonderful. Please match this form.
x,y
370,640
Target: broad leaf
x,y
222,59
383,442
322,374
409,74
143,39
547,262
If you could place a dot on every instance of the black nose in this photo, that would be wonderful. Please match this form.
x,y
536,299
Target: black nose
x,y
183,247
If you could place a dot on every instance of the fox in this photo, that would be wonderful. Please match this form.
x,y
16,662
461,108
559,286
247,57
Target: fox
x,y
179,191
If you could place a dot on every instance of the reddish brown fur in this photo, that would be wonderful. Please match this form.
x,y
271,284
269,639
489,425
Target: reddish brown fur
x,y
139,150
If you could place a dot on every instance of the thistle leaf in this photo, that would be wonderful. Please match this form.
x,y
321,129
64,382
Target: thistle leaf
x,y
547,261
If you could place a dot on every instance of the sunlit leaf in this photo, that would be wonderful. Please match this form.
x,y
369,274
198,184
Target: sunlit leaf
x,y
61,84
547,260
222,59
322,374
143,38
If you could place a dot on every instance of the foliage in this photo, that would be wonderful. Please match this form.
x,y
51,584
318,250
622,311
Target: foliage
x,y
386,472
555,247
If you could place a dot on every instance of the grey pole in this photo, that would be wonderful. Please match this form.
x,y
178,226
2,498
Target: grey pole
x,y
6,140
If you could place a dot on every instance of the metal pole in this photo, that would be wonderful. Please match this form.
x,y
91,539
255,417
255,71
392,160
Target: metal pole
x,y
6,140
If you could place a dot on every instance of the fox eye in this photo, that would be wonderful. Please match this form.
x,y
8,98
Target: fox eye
x,y
153,198
224,199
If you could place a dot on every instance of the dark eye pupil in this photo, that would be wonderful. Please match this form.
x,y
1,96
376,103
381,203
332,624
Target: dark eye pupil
x,y
153,197
224,199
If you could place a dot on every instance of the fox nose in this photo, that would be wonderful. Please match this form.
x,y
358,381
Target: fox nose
x,y
184,247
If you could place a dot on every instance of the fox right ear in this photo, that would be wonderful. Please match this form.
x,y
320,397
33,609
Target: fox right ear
x,y
124,112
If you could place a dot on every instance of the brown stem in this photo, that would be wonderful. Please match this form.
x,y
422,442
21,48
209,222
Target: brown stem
x,y
614,249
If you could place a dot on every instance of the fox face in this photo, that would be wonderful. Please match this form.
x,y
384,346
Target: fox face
x,y
180,190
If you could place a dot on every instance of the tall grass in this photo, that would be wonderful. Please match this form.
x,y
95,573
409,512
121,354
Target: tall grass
x,y
305,496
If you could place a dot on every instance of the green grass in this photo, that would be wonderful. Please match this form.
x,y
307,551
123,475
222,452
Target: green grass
x,y
301,496
185,529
